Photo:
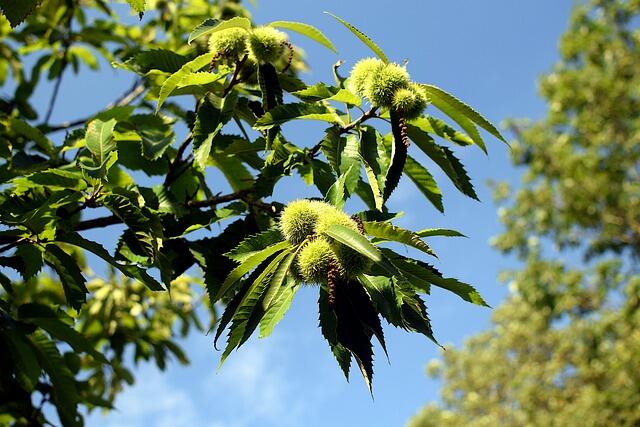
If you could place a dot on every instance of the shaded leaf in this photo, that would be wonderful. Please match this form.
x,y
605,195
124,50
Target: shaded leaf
x,y
70,275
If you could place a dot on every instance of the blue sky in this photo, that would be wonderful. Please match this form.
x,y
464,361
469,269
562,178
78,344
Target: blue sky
x,y
487,53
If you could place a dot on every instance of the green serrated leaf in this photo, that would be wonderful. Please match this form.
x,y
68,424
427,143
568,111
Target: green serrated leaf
x,y
306,30
128,270
27,368
211,25
444,158
328,327
254,244
55,179
278,296
174,80
24,129
438,127
246,266
137,5
424,181
73,283
63,332
164,60
427,273
332,145
384,231
31,257
296,111
18,11
65,393
376,163
354,240
363,37
244,321
428,232
453,107
99,139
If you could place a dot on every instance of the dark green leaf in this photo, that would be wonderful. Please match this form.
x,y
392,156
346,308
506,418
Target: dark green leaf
x,y
444,158
424,181
129,270
70,275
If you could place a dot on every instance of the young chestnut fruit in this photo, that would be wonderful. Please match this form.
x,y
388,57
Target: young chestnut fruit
x,y
230,43
304,222
266,44
410,102
384,83
361,73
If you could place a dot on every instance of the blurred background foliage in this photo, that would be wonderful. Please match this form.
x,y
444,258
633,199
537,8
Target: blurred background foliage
x,y
564,349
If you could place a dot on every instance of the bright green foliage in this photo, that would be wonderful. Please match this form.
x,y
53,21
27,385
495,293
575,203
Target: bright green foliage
x,y
565,346
231,43
143,168
266,44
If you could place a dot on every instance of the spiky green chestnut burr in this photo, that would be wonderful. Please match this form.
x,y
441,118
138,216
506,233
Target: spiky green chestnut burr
x,y
314,260
266,45
410,102
350,263
383,84
298,221
361,73
231,43
329,215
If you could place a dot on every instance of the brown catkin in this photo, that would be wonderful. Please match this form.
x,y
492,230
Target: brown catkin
x,y
359,223
290,57
332,275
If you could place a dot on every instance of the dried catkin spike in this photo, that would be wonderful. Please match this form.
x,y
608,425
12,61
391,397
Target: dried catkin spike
x,y
332,276
359,223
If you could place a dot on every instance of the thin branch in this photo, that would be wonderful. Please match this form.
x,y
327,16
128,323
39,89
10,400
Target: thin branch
x,y
104,221
126,98
56,87
12,245
213,201
235,80
174,166
346,128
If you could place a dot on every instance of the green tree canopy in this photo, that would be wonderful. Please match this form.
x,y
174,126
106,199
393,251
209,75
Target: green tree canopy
x,y
200,140
565,346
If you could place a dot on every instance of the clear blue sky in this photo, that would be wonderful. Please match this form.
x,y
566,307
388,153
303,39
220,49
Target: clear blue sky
x,y
488,53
